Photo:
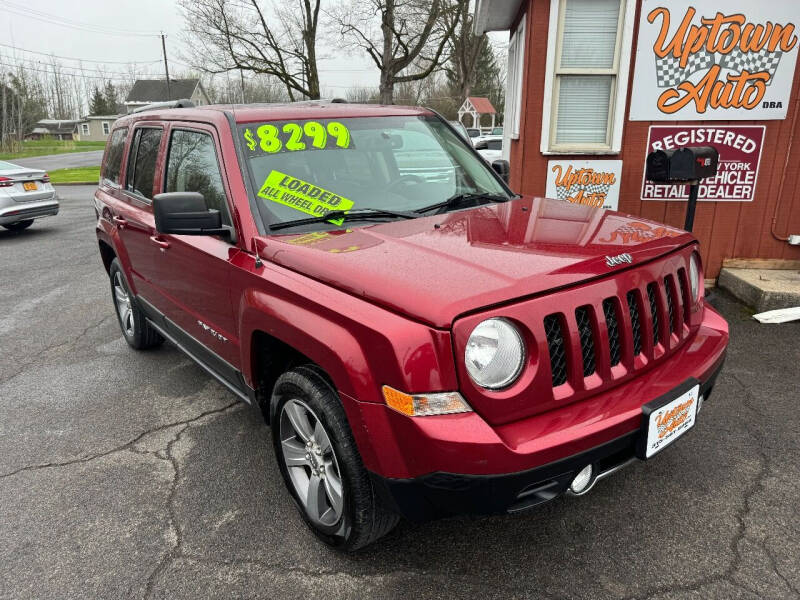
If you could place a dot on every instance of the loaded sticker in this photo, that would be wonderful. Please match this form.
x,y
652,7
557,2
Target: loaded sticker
x,y
291,137
302,196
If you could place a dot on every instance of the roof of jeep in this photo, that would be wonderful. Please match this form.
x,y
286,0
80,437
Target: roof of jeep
x,y
250,113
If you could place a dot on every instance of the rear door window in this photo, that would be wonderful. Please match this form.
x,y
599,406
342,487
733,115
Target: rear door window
x,y
113,162
192,166
142,161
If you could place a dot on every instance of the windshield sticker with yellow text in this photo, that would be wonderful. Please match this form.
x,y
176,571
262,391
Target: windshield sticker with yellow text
x,y
291,137
302,196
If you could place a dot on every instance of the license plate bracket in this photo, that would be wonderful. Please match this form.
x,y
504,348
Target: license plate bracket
x,y
668,418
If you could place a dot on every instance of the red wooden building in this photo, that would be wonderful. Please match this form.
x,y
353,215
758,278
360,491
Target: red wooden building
x,y
593,85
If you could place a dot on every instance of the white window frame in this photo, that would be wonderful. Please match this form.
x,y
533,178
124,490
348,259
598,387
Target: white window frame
x,y
84,129
514,73
619,90
106,127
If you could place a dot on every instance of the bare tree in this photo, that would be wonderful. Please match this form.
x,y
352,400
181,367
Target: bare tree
x,y
229,35
406,39
464,49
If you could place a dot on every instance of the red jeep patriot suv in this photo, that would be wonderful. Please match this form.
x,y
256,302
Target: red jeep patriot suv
x,y
422,341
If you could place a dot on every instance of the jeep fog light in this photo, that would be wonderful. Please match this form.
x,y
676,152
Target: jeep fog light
x,y
421,405
495,354
582,480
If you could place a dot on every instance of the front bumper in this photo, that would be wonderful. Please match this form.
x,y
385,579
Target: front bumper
x,y
428,467
13,213
439,494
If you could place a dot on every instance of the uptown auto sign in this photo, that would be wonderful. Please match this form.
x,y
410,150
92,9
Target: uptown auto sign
x,y
739,150
706,60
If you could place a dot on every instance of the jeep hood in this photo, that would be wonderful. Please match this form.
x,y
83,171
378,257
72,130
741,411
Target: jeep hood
x,y
435,268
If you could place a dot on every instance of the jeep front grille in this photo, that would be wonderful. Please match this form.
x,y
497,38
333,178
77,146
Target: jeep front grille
x,y
657,314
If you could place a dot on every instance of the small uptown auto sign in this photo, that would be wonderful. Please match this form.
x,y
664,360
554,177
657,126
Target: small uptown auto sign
x,y
706,60
739,150
590,182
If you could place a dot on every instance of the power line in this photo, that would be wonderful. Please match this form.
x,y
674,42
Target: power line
x,y
64,74
24,11
72,70
104,62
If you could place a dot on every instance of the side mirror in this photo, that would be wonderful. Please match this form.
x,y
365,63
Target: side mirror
x,y
502,168
186,213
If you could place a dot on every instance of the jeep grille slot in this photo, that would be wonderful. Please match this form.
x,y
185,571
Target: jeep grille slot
x,y
670,303
651,295
612,325
555,344
587,340
685,300
636,326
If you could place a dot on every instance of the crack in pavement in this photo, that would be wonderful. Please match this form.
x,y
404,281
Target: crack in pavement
x,y
741,515
120,448
39,354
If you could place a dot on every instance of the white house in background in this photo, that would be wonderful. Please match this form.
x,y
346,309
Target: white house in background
x,y
148,91
95,128
475,107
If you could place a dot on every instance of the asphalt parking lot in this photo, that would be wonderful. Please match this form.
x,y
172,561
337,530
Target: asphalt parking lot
x,y
135,475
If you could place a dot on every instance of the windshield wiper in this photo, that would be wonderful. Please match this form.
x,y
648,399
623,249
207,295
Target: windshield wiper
x,y
463,201
346,215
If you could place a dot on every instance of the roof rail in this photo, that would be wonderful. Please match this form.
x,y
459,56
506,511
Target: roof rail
x,y
182,103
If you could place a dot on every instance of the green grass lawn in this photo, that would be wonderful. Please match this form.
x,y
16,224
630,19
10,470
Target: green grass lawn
x,y
76,175
49,146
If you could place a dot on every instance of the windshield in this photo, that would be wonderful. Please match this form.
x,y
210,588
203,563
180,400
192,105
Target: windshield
x,y
307,168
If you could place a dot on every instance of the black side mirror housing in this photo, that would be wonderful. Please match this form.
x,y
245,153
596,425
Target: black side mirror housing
x,y
502,168
186,213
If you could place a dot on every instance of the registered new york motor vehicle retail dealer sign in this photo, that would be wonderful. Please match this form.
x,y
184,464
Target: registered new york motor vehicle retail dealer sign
x,y
739,150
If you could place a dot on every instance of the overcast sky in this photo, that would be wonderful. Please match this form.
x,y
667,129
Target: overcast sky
x,y
103,37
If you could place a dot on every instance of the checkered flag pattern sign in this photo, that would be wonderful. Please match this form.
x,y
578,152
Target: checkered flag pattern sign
x,y
669,73
591,188
753,62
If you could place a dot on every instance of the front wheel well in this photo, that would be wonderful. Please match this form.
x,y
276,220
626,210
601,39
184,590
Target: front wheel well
x,y
271,358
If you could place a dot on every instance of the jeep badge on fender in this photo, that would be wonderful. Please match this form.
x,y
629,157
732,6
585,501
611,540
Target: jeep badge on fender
x,y
613,261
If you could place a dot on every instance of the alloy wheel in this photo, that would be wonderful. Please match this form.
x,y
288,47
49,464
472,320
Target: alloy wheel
x,y
311,463
122,300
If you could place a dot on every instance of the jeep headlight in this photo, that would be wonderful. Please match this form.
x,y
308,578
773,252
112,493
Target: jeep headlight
x,y
495,354
694,276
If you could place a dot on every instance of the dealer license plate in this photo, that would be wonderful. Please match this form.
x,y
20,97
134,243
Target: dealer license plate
x,y
666,423
29,186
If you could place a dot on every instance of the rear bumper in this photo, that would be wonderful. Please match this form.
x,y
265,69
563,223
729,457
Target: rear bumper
x,y
428,467
28,210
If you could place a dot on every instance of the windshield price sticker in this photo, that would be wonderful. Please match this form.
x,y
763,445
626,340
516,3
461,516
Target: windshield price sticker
x,y
271,138
302,196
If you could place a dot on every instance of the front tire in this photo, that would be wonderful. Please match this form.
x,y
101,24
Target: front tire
x,y
320,463
19,225
135,328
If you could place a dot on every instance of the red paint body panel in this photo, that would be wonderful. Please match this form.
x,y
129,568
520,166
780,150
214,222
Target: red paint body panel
x,y
393,304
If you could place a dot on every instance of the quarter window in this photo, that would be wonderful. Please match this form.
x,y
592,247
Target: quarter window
x,y
192,166
113,161
142,161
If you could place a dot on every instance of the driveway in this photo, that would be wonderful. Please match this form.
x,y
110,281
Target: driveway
x,y
68,160
135,475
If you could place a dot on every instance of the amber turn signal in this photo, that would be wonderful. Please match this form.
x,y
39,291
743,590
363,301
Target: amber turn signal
x,y
420,405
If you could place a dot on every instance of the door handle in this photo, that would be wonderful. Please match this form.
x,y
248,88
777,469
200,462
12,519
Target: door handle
x,y
119,220
163,244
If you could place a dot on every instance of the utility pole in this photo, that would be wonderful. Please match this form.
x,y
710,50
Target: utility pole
x,y
166,66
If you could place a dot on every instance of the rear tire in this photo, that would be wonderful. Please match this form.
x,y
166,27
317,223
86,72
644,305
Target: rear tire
x,y
135,329
323,444
19,225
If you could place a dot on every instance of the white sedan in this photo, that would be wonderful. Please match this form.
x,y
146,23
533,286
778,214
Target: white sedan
x,y
25,194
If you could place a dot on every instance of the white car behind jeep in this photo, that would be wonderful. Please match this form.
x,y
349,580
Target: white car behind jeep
x,y
25,194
